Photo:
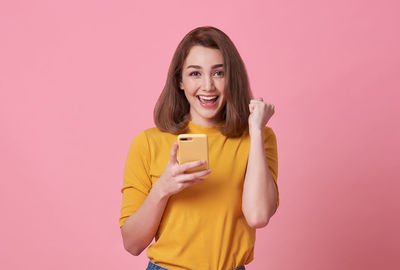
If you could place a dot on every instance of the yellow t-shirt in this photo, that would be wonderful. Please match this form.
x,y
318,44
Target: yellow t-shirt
x,y
203,227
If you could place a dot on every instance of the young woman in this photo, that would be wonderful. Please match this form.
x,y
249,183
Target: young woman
x,y
207,219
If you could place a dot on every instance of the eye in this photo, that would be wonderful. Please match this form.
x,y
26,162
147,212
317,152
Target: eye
x,y
219,73
194,73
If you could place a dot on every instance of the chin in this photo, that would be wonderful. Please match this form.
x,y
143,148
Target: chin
x,y
210,117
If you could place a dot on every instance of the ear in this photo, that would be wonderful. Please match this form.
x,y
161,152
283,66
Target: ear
x,y
180,85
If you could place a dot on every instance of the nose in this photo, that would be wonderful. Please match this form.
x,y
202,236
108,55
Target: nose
x,y
208,83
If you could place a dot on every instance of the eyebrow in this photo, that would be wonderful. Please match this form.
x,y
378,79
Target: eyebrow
x,y
199,67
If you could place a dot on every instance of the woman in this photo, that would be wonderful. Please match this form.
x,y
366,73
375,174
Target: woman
x,y
206,219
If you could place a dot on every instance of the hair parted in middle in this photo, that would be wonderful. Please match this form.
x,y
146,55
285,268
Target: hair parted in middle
x,y
172,110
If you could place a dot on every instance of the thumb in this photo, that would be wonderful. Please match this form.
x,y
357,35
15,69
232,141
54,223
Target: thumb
x,y
251,107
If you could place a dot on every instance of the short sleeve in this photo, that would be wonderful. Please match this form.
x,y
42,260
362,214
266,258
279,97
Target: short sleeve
x,y
271,150
136,181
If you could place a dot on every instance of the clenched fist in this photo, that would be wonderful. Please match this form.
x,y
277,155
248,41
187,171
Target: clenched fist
x,y
260,113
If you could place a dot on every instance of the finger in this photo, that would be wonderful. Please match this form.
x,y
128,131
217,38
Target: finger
x,y
260,99
189,183
172,155
198,180
270,106
251,107
189,165
192,176
257,100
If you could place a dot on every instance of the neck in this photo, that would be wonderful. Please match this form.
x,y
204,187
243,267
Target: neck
x,y
205,122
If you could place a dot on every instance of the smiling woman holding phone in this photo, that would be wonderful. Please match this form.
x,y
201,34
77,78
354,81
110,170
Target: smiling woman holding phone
x,y
205,219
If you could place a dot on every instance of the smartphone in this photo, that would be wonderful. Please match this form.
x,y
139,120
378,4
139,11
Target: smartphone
x,y
193,147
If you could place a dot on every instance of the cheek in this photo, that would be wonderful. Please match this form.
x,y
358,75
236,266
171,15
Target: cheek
x,y
220,85
190,87
189,94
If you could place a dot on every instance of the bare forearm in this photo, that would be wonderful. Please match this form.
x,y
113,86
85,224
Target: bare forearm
x,y
259,191
139,229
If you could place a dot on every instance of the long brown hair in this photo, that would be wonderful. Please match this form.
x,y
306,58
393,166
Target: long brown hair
x,y
171,113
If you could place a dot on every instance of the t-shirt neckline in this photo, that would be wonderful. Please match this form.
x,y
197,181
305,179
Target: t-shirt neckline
x,y
195,128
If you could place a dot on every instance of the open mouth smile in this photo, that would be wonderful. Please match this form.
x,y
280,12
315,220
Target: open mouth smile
x,y
207,101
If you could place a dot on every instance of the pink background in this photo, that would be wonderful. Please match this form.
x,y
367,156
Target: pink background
x,y
79,79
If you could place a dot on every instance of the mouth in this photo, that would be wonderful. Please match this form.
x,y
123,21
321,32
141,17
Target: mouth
x,y
207,101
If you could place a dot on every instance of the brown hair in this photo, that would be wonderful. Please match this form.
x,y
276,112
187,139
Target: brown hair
x,y
171,113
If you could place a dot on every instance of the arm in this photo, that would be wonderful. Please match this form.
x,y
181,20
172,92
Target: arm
x,y
259,191
260,194
140,227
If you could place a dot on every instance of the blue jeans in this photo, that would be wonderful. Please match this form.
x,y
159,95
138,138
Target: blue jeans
x,y
153,266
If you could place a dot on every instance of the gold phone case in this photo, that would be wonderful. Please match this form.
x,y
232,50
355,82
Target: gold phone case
x,y
193,147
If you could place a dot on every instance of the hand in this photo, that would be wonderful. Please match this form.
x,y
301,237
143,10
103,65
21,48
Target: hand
x,y
174,178
260,113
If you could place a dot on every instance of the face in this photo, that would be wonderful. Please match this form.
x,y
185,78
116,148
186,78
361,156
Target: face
x,y
203,80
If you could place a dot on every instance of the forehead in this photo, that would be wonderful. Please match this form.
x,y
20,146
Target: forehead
x,y
204,57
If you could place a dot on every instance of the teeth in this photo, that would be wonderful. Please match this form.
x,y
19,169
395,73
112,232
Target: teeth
x,y
207,98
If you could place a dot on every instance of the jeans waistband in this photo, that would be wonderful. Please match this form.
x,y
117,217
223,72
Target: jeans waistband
x,y
153,266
